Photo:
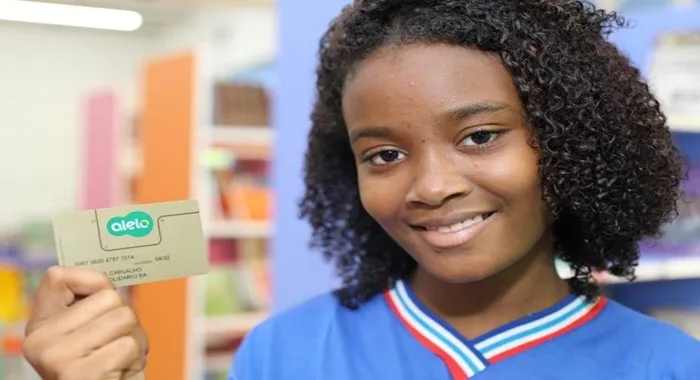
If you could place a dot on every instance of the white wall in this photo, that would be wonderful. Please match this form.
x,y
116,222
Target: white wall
x,y
239,37
44,74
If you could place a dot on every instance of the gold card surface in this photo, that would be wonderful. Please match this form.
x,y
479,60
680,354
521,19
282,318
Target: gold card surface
x,y
134,244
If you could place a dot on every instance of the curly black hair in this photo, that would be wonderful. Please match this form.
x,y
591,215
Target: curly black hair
x,y
610,173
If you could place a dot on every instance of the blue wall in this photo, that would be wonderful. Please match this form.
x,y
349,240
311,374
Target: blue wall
x,y
300,273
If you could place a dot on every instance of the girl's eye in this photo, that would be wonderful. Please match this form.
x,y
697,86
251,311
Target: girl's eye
x,y
480,138
385,157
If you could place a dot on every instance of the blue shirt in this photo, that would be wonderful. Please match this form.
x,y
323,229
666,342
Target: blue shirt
x,y
395,337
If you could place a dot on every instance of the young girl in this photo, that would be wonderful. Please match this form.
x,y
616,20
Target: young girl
x,y
458,148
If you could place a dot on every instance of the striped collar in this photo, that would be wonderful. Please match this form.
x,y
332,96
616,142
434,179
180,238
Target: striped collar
x,y
465,358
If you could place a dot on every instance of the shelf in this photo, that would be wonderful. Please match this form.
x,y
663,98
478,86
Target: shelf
x,y
241,135
685,129
250,143
675,268
239,230
234,326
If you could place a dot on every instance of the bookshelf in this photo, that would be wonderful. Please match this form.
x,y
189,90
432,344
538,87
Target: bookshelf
x,y
232,130
191,145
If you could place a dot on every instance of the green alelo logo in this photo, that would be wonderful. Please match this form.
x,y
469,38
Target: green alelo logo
x,y
136,224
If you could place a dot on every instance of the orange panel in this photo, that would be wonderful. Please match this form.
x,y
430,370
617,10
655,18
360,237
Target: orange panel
x,y
166,132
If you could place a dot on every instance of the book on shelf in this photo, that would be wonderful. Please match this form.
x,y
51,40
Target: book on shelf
x,y
254,254
241,104
241,189
239,279
216,375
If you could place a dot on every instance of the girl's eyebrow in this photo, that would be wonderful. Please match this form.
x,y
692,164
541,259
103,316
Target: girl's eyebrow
x,y
457,114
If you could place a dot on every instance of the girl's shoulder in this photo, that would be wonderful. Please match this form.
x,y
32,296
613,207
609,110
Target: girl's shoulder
x,y
301,335
670,352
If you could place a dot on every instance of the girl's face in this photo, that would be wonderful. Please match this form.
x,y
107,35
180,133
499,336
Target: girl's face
x,y
443,159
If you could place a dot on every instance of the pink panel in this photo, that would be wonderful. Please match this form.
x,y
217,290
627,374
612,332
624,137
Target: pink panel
x,y
99,161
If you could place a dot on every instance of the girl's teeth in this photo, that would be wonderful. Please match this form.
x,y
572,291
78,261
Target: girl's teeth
x,y
461,225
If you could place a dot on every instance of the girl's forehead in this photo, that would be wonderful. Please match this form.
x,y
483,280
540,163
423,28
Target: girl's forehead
x,y
435,78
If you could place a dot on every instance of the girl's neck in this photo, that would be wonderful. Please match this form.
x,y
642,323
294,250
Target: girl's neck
x,y
478,307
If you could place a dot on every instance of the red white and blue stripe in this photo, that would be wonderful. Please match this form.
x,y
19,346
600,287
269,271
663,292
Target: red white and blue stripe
x,y
466,358
462,361
544,327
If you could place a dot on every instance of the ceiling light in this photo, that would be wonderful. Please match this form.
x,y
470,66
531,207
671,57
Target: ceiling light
x,y
69,15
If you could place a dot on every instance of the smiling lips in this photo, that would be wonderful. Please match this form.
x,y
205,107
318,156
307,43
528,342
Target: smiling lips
x,y
447,234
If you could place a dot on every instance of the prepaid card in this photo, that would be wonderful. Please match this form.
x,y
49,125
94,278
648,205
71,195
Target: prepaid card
x,y
134,244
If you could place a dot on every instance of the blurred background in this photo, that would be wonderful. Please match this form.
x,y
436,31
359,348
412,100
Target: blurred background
x,y
137,101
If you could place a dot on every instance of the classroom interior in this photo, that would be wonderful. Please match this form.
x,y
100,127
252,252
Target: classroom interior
x,y
210,100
